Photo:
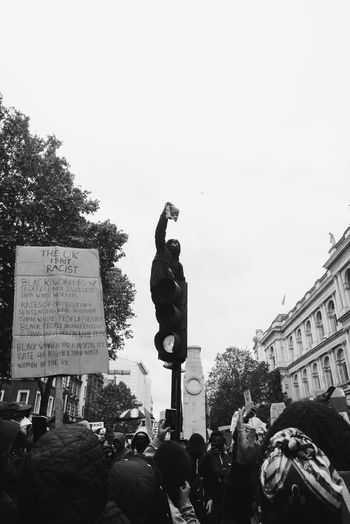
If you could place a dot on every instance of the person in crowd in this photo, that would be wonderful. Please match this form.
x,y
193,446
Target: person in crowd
x,y
166,261
134,486
298,479
118,442
19,415
139,442
213,468
174,465
63,479
9,431
196,447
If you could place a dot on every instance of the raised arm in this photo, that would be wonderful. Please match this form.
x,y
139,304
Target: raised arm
x,y
161,227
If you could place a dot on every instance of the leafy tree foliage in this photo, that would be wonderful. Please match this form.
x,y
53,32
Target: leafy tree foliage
x,y
113,400
41,206
235,371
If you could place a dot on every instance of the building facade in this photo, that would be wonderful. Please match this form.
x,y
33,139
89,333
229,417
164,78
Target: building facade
x,y
310,345
79,395
135,375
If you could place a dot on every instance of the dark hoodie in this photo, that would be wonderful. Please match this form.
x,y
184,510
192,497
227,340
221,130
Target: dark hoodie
x,y
166,261
63,480
139,442
134,486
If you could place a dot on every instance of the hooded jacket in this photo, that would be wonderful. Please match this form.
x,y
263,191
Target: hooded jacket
x,y
134,486
64,478
165,263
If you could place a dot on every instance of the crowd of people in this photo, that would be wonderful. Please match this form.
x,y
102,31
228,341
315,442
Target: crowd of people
x,y
299,473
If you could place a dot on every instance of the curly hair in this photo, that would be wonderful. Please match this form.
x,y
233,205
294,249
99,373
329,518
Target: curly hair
x,y
322,424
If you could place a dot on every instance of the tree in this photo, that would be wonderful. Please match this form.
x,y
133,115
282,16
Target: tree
x,y
113,400
40,206
235,371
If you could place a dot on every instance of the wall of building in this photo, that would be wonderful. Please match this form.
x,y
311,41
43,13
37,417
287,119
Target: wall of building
x,y
311,344
135,375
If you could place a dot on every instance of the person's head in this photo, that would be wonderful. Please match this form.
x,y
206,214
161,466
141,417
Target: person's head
x,y
63,479
118,441
140,442
134,486
217,440
174,247
322,424
101,433
196,446
174,465
298,482
14,411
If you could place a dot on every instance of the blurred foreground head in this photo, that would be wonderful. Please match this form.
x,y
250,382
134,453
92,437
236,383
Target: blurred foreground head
x,y
63,478
134,486
322,424
299,483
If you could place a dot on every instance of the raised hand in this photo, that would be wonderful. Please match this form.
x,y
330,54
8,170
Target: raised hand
x,y
246,441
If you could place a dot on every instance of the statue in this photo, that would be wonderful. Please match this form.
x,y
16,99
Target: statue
x,y
332,239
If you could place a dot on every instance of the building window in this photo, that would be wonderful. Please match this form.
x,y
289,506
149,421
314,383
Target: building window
x,y
319,326
347,279
343,371
296,386
37,402
119,372
299,342
327,371
2,393
272,359
49,407
306,389
23,396
332,316
308,334
315,377
291,348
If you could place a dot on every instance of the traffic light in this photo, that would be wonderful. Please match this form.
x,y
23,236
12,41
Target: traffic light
x,y
171,313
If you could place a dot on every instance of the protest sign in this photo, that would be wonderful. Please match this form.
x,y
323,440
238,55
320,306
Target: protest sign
x,y
275,410
94,426
247,396
58,323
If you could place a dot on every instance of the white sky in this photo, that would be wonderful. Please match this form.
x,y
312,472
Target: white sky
x,y
236,111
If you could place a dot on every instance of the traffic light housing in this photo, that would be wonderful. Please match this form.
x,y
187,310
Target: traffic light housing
x,y
171,313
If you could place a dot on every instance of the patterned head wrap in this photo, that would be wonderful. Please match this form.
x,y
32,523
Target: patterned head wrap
x,y
291,451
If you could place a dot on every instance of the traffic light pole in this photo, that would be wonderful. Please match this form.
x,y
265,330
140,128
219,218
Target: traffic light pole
x,y
176,399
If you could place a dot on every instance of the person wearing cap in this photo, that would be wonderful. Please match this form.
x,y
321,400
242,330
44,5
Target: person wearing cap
x,y
14,411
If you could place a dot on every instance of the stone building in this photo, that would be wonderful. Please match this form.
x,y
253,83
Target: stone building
x,y
79,392
310,345
135,375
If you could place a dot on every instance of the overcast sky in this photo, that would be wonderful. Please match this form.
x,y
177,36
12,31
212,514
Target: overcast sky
x,y
236,111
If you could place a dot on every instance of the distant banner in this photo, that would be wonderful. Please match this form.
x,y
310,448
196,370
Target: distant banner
x,y
58,322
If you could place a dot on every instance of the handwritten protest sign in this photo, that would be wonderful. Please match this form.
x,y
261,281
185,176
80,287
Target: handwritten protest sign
x,y
276,409
58,325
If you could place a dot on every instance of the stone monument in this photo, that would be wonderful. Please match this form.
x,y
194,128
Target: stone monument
x,y
194,414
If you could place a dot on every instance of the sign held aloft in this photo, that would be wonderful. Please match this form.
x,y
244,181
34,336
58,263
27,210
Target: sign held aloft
x,y
58,322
